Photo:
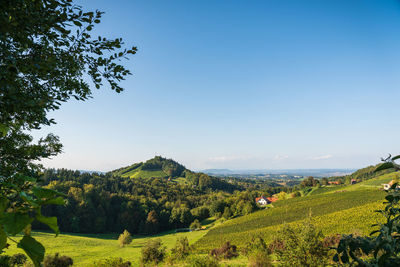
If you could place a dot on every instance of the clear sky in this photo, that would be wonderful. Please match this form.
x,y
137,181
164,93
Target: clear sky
x,y
243,85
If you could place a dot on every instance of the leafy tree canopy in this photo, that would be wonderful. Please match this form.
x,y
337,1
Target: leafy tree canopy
x,y
46,50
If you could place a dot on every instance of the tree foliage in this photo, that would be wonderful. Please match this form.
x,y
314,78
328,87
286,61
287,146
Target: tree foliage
x,y
153,252
302,246
46,50
124,239
181,249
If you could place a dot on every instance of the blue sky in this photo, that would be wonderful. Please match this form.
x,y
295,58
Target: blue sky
x,y
243,85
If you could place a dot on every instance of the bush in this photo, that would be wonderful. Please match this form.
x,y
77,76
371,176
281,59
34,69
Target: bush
x,y
182,248
111,262
195,225
259,258
256,243
18,259
227,251
201,261
257,252
57,261
302,246
332,240
125,238
153,252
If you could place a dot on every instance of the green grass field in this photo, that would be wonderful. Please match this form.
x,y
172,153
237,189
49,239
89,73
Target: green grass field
x,y
335,209
84,249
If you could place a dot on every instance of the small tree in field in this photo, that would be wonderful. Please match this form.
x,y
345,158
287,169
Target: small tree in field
x,y
125,238
153,252
195,225
182,248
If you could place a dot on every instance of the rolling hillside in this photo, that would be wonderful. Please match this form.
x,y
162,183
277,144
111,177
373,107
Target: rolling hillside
x,y
335,209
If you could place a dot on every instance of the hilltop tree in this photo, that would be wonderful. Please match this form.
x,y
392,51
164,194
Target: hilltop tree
x,y
46,49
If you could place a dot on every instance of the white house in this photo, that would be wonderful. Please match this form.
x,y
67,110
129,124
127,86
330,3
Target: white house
x,y
262,201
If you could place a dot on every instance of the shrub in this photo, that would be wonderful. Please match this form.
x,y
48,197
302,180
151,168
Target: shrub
x,y
302,246
227,251
256,243
18,259
182,248
57,261
257,252
111,262
195,225
125,238
259,258
153,252
227,213
201,261
331,240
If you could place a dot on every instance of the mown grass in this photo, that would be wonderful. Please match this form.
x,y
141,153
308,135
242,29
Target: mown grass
x,y
335,209
84,249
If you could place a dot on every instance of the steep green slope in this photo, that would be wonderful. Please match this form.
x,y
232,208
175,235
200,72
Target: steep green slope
x,y
341,209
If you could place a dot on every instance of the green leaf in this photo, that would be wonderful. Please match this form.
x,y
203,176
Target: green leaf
x,y
14,223
3,239
3,203
55,201
45,192
396,157
29,199
33,249
77,23
4,129
49,221
384,166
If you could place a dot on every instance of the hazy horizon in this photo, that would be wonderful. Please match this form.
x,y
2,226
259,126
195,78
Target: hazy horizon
x,y
245,85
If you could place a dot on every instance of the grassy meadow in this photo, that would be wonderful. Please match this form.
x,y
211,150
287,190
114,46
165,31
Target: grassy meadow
x,y
84,249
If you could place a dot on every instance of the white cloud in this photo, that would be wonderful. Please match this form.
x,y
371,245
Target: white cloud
x,y
322,157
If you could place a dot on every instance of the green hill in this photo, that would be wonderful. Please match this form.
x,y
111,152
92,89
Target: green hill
x,y
163,168
157,167
336,209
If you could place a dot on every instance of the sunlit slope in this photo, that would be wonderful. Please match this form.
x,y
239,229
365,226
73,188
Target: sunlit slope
x,y
340,209
84,249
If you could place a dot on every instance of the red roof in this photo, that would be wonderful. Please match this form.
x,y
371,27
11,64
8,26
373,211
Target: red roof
x,y
272,199
259,198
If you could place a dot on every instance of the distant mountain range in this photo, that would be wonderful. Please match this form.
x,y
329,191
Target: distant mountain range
x,y
301,172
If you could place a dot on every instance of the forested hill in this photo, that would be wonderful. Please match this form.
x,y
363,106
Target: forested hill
x,y
157,167
163,169
112,202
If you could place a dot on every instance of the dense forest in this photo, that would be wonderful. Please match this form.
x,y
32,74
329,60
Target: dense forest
x,y
99,203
